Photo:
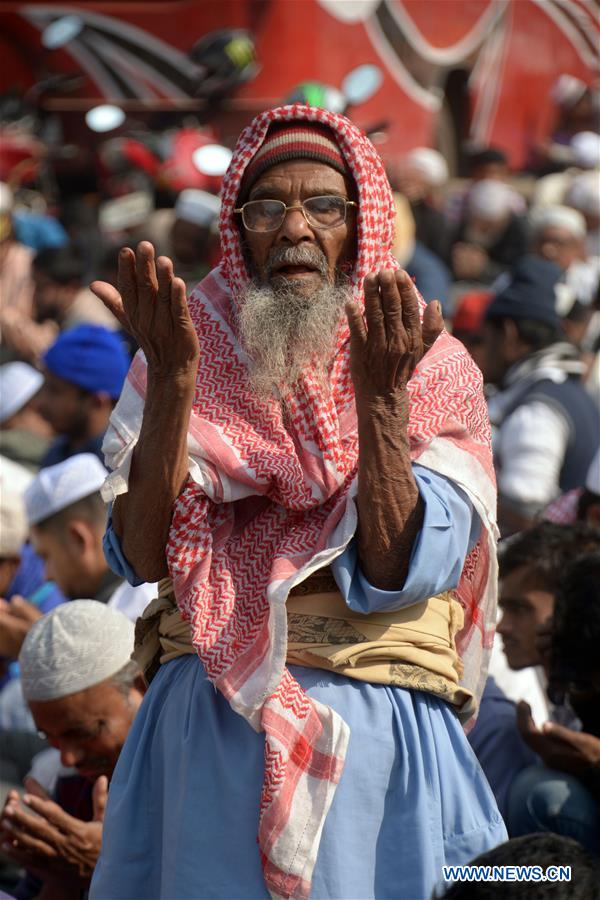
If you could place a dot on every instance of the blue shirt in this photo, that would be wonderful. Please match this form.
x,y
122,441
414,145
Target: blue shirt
x,y
450,529
60,449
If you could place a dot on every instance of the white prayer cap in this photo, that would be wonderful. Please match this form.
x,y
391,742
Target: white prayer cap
x,y
59,486
14,479
430,164
586,149
490,199
6,198
129,211
584,193
567,90
198,207
72,648
592,482
558,217
18,384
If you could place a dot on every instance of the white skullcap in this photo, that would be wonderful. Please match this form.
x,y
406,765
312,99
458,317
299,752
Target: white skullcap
x,y
14,479
490,199
72,648
592,482
584,193
125,212
430,164
18,384
59,486
197,207
586,149
567,90
558,217
6,198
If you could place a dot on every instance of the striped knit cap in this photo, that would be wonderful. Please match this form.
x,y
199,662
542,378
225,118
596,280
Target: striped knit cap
x,y
294,140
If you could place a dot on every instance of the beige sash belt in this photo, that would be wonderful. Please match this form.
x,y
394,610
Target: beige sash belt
x,y
412,648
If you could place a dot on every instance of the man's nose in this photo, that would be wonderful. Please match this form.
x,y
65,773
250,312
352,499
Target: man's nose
x,y
502,626
70,756
549,250
295,228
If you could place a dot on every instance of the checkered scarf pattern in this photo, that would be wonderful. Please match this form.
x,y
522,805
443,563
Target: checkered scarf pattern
x,y
269,502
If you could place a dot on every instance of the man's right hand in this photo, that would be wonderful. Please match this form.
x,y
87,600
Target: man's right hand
x,y
151,305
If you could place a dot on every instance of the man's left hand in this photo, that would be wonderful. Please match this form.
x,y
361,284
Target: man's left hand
x,y
385,351
559,748
50,842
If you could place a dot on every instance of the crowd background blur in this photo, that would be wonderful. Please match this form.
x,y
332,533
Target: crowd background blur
x,y
508,241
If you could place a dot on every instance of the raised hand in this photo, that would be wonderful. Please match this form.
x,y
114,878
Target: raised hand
x,y
385,350
151,305
559,747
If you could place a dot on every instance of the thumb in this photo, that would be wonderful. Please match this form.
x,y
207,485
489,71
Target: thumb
x,y
525,722
112,300
99,798
559,731
32,786
433,324
23,609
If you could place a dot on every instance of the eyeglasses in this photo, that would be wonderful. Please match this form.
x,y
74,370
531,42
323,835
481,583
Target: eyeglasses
x,y
319,212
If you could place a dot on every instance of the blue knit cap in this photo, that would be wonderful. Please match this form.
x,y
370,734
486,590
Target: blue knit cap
x,y
530,293
91,357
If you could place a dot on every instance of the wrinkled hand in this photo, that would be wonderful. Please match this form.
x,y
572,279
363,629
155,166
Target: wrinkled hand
x,y
52,843
559,748
385,350
16,618
468,261
151,305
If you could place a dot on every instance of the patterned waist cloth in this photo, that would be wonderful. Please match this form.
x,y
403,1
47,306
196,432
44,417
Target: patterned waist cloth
x,y
412,648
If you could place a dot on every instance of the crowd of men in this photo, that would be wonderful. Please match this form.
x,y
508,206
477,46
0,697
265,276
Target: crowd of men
x,y
516,269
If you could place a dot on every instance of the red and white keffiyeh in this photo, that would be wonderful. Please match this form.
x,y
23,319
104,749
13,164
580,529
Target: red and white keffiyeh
x,y
269,502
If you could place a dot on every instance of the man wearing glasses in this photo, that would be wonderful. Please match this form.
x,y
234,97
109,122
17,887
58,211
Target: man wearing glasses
x,y
301,454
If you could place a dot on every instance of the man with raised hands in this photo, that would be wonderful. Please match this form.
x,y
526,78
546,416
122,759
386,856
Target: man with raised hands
x,y
302,456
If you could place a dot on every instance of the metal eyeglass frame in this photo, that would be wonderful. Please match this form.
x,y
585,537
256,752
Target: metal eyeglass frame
x,y
286,209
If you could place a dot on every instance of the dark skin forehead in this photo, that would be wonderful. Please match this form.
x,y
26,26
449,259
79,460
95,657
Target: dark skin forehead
x,y
523,588
77,711
303,178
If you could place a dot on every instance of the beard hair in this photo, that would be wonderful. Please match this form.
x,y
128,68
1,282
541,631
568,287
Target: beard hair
x,y
286,332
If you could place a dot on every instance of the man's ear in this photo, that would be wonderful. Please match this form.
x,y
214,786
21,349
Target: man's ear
x,y
509,328
99,401
81,534
513,345
140,685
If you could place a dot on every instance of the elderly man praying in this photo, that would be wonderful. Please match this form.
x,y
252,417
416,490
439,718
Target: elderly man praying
x,y
316,491
83,691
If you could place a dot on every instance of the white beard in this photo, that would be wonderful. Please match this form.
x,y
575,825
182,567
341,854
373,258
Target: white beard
x,y
286,332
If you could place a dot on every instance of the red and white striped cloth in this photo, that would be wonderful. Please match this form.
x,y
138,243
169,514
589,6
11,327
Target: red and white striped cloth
x,y
271,501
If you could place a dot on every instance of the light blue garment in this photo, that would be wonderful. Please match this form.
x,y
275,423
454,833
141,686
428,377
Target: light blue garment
x,y
182,814
450,529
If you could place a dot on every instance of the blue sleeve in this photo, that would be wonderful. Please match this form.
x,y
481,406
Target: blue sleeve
x,y
30,582
450,530
114,554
